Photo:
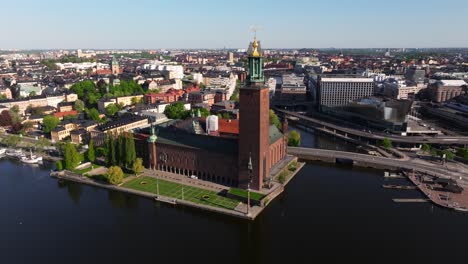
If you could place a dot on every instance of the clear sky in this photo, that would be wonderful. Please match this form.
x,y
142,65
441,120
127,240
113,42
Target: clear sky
x,y
51,24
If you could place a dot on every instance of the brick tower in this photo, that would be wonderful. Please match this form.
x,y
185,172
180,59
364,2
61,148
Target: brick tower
x,y
254,123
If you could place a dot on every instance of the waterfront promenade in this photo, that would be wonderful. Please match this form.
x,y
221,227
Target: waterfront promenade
x,y
239,211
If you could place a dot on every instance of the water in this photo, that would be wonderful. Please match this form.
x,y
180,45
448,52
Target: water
x,y
310,139
326,213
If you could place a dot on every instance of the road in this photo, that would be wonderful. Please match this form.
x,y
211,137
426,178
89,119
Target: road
x,y
332,128
416,164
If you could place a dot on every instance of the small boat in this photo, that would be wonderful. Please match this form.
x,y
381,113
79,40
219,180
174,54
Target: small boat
x,y
31,159
16,153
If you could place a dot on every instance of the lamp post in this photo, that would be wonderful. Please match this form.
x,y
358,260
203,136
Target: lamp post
x,y
250,169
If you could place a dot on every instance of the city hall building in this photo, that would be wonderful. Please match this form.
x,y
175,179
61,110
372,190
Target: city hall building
x,y
194,146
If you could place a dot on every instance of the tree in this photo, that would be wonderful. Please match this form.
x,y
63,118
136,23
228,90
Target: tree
x,y
135,100
294,139
274,120
463,152
79,106
5,118
426,148
176,111
59,165
449,155
11,140
26,127
93,114
112,109
203,112
138,166
50,122
33,93
115,175
43,142
386,143
90,154
130,152
71,157
15,114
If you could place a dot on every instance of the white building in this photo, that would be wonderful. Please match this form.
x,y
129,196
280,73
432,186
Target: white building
x,y
334,92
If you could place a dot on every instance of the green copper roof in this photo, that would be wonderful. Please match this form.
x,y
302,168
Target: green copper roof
x,y
275,134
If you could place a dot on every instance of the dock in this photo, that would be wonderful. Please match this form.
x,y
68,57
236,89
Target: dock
x,y
399,187
417,200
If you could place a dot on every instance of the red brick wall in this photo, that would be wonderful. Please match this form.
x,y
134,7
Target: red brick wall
x,y
254,135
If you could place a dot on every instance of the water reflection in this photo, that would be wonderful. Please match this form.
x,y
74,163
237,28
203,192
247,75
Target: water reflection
x,y
122,200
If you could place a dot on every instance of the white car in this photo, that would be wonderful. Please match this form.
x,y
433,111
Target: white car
x,y
194,177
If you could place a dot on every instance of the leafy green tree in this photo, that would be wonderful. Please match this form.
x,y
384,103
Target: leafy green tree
x,y
79,106
50,122
176,111
115,175
59,165
203,112
274,120
33,93
93,114
386,143
463,152
11,140
294,139
71,157
130,151
449,155
90,154
426,148
112,109
138,166
87,91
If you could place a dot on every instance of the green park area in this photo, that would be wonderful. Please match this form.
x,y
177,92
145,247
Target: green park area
x,y
174,190
244,194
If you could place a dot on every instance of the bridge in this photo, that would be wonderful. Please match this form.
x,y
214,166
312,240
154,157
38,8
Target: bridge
x,y
364,160
360,135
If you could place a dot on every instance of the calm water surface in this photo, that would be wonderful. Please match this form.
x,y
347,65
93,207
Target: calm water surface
x,y
327,214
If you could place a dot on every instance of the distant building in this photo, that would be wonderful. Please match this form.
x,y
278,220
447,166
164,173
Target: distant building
x,y
444,90
292,88
415,74
334,92
115,67
81,54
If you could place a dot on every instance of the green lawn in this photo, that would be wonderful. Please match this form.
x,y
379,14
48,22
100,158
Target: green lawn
x,y
174,190
243,193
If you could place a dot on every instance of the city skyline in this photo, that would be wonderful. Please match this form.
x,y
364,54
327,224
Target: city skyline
x,y
212,25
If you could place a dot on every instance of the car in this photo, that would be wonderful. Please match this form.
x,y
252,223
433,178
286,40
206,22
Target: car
x,y
194,177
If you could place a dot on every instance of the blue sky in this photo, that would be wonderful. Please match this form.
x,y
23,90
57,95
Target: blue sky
x,y
217,24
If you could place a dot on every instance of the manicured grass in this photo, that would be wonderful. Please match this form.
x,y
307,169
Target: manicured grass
x,y
243,193
174,190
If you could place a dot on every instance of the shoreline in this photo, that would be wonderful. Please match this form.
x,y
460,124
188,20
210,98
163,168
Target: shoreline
x,y
254,210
